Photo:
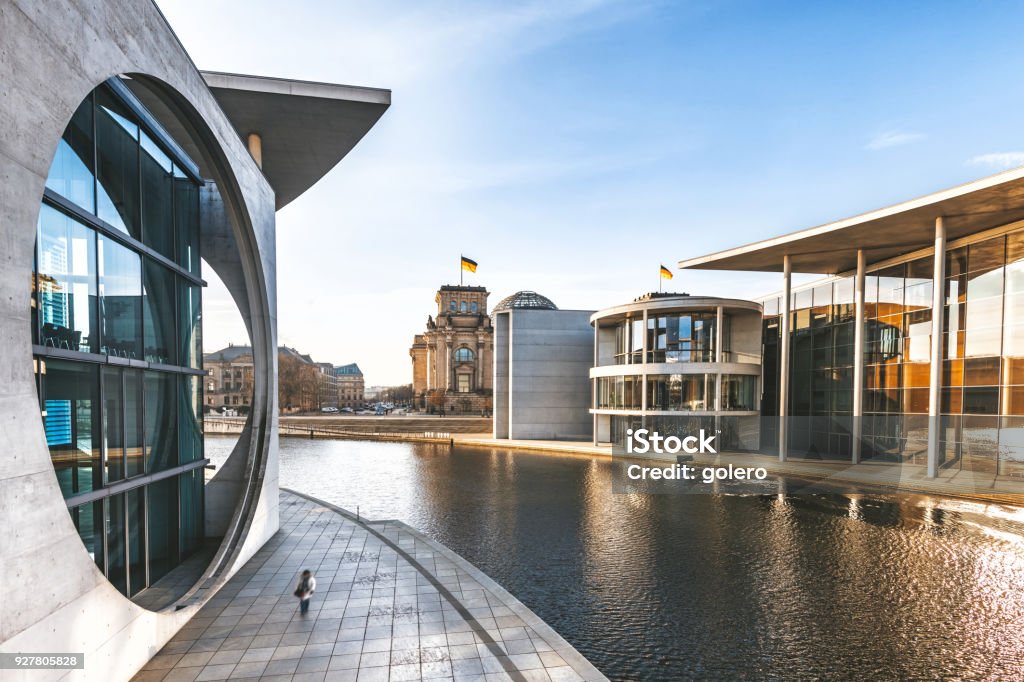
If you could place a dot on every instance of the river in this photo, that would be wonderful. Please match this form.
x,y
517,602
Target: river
x,y
667,587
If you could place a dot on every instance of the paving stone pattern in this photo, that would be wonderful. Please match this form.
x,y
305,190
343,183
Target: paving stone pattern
x,y
390,604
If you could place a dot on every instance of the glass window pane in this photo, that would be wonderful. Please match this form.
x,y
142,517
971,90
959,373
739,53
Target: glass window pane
x,y
159,328
191,510
133,446
113,509
189,325
113,424
186,221
71,173
117,192
88,520
162,500
66,282
135,516
71,421
190,425
161,421
120,285
157,198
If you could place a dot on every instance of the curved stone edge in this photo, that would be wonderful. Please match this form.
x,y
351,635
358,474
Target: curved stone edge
x,y
583,667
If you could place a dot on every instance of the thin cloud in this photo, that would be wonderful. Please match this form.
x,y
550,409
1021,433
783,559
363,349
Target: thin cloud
x,y
893,138
1001,160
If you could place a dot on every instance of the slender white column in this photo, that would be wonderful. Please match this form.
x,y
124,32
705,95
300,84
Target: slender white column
x,y
858,358
719,359
593,382
935,385
430,365
787,294
643,377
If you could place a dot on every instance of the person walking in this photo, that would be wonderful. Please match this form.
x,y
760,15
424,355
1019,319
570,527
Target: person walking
x,y
304,590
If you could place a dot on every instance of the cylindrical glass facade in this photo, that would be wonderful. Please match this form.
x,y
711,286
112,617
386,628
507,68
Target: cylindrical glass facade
x,y
116,333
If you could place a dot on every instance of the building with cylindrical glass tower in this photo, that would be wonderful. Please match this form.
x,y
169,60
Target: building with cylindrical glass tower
x,y
116,335
675,364
128,176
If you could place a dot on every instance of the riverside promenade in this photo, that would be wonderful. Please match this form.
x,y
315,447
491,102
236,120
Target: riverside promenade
x,y
390,604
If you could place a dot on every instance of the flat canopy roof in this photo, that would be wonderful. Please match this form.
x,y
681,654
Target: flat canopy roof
x,y
885,233
306,128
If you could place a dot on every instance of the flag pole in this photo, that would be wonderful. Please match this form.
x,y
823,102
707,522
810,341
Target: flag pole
x,y
460,270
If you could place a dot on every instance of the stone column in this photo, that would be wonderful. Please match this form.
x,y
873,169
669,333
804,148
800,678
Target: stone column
x,y
857,428
787,294
479,363
935,386
448,361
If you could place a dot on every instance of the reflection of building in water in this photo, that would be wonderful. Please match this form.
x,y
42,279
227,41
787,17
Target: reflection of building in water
x,y
451,360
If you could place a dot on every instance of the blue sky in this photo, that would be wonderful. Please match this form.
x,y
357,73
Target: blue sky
x,y
570,147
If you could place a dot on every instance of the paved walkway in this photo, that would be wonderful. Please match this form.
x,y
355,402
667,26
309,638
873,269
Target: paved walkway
x,y
390,604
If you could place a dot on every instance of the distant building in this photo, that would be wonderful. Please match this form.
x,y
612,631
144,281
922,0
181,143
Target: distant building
x,y
229,382
351,386
229,379
452,360
541,359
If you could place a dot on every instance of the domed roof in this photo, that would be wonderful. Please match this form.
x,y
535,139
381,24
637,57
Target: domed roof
x,y
525,299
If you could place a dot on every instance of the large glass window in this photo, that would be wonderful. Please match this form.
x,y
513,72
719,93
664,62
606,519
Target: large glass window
x,y
189,325
159,318
464,355
157,175
72,171
71,418
161,421
117,146
138,409
738,392
120,286
65,282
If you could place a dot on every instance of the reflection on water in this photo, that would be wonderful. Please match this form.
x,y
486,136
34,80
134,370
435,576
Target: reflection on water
x,y
711,586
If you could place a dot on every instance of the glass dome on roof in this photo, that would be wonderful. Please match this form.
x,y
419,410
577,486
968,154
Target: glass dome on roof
x,y
526,299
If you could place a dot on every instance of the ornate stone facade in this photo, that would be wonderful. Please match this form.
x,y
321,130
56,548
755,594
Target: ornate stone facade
x,y
452,361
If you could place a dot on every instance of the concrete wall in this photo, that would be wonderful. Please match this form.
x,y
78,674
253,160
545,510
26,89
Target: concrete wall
x,y
501,376
547,387
54,54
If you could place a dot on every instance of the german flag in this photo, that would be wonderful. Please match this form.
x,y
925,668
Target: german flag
x,y
468,264
665,273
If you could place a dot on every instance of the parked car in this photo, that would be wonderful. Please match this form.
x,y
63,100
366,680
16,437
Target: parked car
x,y
347,410
330,410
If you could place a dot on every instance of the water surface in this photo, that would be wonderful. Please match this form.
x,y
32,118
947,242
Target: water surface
x,y
659,587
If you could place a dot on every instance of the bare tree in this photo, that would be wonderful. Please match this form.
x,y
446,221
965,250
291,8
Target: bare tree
x,y
298,383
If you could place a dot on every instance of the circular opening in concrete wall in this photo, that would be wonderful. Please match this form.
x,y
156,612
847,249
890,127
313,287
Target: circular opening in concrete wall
x,y
116,319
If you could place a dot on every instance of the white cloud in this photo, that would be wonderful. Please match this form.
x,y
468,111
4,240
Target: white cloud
x,y
893,138
1000,160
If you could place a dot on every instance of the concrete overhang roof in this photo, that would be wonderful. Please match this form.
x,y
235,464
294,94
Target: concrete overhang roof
x,y
306,128
885,233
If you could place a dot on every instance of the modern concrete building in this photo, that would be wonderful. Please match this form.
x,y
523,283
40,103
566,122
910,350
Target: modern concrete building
x,y
541,358
911,350
451,360
122,166
676,363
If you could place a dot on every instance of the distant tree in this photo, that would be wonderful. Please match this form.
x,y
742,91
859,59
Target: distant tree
x,y
436,399
298,383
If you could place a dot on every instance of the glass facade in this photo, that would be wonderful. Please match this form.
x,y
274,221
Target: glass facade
x,y
116,327
677,380
982,397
